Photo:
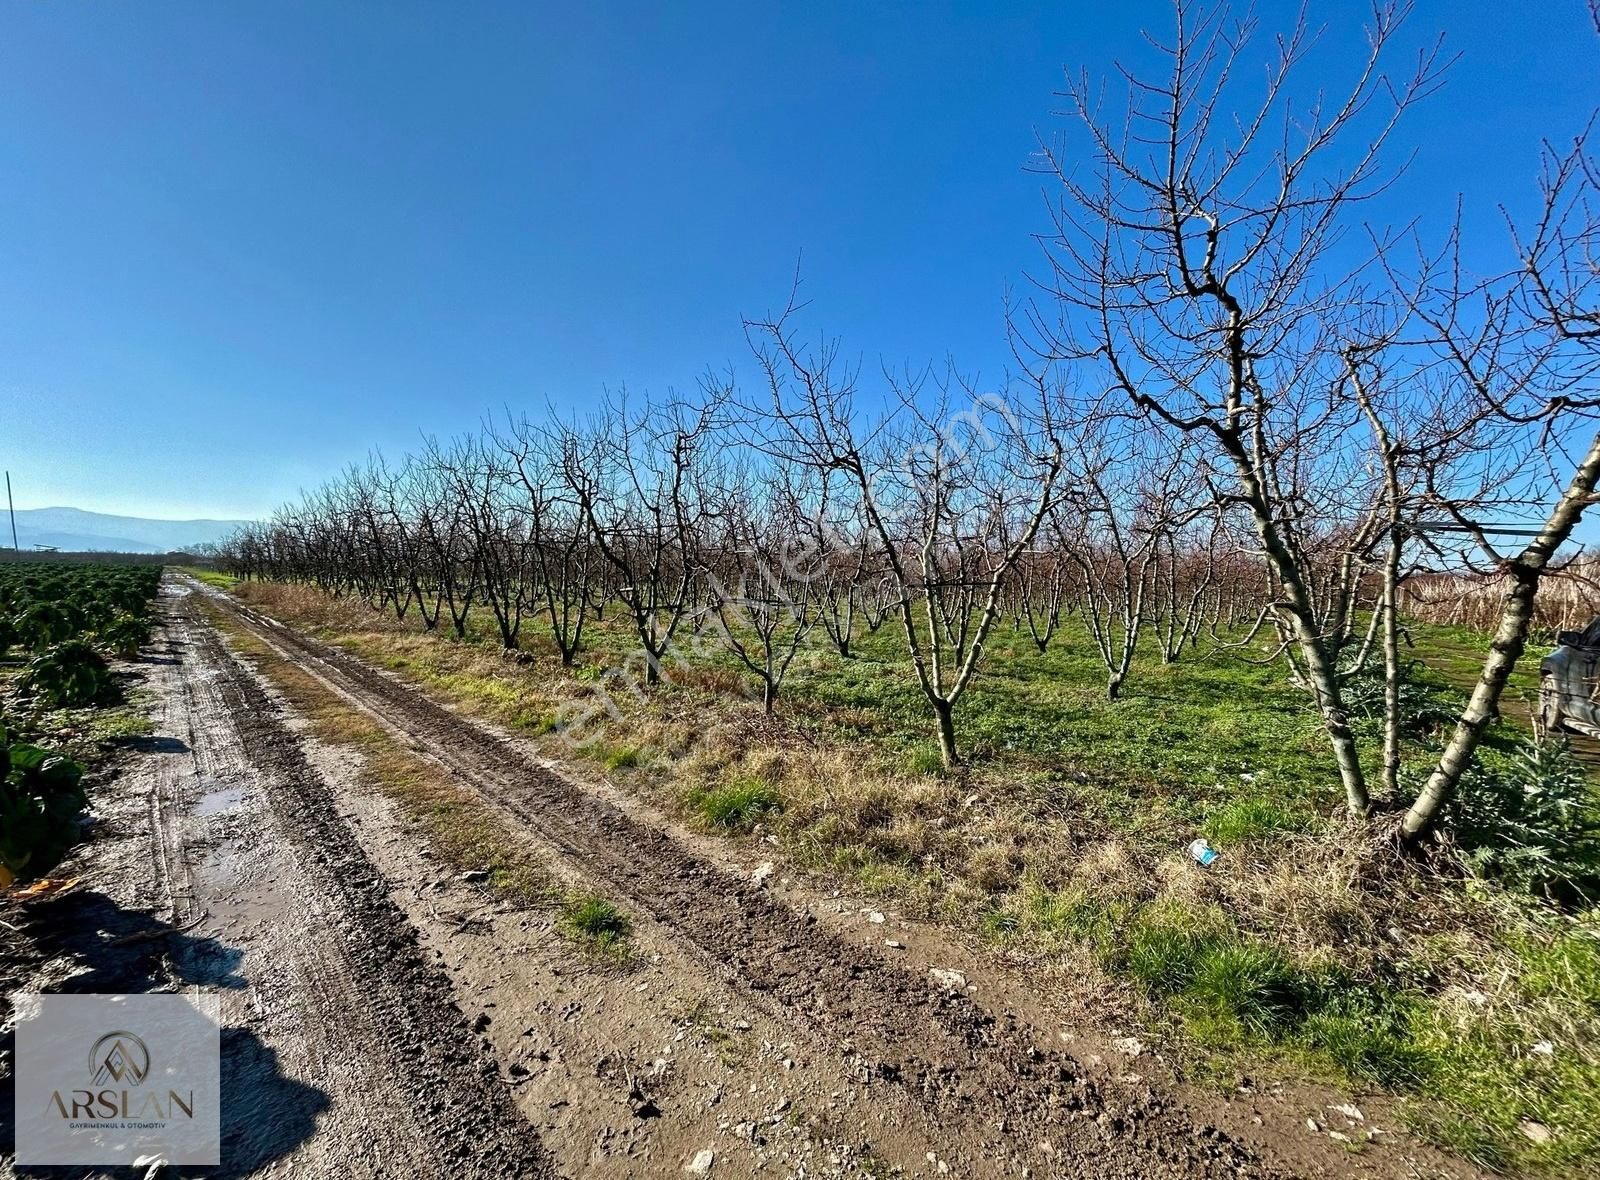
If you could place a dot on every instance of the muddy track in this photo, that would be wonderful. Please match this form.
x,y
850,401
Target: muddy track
x,y
380,1012
979,1082
468,1123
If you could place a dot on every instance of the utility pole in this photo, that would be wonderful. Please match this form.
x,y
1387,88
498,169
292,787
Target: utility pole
x,y
12,508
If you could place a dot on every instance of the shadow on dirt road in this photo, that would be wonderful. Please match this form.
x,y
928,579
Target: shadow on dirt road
x,y
110,949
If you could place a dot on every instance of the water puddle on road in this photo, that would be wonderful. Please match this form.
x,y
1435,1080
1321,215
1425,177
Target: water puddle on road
x,y
219,801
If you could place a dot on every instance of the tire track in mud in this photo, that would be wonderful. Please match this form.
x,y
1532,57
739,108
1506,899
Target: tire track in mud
x,y
979,1082
459,1120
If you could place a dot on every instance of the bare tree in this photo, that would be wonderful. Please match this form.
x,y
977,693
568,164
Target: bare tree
x,y
762,595
559,540
1187,556
1040,591
952,500
446,537
1525,350
643,482
843,556
1192,264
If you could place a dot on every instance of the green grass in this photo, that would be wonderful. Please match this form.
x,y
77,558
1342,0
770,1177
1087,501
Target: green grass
x,y
1467,1066
737,806
1230,994
1184,729
1488,1076
537,724
118,725
1062,920
621,757
1240,821
1217,743
215,578
1194,720
594,922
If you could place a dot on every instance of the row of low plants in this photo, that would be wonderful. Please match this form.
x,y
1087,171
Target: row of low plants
x,y
66,619
59,626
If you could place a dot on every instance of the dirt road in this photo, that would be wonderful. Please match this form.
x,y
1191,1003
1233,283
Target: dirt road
x,y
386,1016
220,861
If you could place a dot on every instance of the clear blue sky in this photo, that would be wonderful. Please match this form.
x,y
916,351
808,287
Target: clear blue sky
x,y
243,243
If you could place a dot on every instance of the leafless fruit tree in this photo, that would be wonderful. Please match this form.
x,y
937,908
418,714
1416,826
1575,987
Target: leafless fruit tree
x,y
952,499
1193,265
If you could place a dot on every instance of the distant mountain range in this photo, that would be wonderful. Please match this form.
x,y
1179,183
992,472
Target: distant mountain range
x,y
75,529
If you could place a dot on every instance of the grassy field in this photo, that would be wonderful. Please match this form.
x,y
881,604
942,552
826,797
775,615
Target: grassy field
x,y
1307,950
215,578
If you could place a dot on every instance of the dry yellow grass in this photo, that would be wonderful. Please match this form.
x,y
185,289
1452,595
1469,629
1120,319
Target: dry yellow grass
x,y
1568,599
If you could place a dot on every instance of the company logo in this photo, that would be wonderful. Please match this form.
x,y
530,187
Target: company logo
x,y
119,1062
117,1078
119,1057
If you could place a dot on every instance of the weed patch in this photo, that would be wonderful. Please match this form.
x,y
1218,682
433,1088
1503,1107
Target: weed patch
x,y
621,757
1252,818
594,922
736,807
214,578
1530,819
118,725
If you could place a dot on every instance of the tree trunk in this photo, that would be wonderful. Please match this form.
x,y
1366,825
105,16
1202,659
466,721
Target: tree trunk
x,y
1525,570
1319,665
1391,663
947,733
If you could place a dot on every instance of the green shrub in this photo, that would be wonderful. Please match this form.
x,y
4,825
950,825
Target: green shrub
x,y
1529,820
1425,707
45,623
124,634
40,798
68,675
46,605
